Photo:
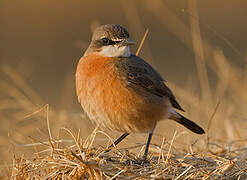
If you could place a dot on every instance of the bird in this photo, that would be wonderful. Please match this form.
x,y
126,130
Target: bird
x,y
120,91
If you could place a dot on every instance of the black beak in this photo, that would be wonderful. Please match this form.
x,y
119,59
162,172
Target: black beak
x,y
127,42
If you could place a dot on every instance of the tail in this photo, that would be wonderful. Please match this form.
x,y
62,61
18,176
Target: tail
x,y
185,122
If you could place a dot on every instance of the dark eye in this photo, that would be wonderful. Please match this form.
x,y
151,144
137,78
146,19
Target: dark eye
x,y
105,41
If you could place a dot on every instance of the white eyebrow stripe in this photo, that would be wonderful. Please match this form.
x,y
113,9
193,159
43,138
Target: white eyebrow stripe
x,y
116,39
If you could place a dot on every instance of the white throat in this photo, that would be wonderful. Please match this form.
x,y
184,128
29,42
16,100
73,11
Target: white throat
x,y
115,51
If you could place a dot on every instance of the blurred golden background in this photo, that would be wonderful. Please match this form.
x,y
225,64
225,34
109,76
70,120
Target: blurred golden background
x,y
199,47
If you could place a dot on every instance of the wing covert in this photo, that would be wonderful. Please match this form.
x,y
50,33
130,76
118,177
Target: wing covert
x,y
138,74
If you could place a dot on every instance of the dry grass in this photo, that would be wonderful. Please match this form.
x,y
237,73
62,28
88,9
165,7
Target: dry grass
x,y
82,160
56,152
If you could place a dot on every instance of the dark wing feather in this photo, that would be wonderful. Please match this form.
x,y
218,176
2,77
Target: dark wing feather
x,y
138,73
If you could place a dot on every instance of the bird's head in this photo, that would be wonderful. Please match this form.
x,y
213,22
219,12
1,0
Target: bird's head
x,y
111,40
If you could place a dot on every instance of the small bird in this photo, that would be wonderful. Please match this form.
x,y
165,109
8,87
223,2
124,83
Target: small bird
x,y
121,91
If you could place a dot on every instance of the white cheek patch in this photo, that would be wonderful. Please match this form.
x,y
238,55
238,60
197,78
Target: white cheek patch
x,y
115,51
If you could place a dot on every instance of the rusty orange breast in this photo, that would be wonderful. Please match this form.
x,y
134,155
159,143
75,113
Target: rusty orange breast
x,y
104,96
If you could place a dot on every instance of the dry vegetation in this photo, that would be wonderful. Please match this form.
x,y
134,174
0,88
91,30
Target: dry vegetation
x,y
67,162
67,154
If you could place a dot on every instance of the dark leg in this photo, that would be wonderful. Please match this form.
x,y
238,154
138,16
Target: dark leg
x,y
147,146
117,141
